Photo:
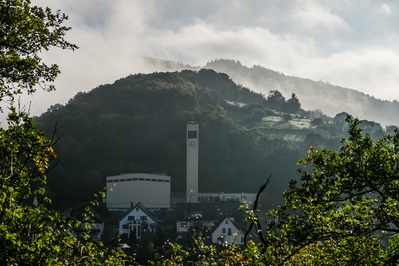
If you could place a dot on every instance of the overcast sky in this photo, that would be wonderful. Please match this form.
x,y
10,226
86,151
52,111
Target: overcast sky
x,y
350,43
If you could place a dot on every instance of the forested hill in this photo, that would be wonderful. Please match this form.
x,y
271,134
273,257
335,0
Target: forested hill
x,y
138,124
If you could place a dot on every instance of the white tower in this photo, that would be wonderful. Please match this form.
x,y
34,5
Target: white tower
x,y
192,161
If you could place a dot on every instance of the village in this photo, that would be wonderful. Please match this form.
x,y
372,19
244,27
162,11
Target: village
x,y
142,206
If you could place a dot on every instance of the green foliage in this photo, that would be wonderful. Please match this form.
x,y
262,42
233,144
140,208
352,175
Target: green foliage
x,y
346,205
25,32
34,234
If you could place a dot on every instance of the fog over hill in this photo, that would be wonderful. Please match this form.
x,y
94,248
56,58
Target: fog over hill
x,y
312,94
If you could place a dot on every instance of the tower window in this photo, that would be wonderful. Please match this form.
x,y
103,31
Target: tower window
x,y
192,134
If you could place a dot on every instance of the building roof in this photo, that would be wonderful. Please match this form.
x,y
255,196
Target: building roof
x,y
231,221
158,174
143,208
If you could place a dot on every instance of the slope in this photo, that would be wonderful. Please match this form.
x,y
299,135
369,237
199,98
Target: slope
x,y
137,124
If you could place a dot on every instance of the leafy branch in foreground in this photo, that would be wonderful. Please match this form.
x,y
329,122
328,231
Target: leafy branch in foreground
x,y
346,206
36,235
25,32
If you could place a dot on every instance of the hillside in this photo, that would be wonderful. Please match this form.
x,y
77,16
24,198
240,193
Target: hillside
x,y
137,124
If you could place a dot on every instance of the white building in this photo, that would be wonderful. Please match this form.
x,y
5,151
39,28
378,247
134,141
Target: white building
x,y
228,232
137,220
152,190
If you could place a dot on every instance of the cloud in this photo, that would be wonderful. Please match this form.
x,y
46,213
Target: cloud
x,y
317,39
201,42
371,70
311,16
385,9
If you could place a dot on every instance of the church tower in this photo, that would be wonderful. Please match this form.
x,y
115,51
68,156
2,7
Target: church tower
x,y
192,161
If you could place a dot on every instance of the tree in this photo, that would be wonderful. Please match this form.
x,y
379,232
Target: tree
x,y
34,234
275,100
293,104
345,209
25,32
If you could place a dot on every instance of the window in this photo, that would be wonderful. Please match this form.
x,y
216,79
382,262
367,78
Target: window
x,y
166,180
229,232
226,221
183,225
135,179
191,134
122,180
125,226
143,218
153,180
223,230
128,179
130,218
242,239
147,179
141,179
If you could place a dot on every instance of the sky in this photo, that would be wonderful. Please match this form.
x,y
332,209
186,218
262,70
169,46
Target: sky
x,y
349,43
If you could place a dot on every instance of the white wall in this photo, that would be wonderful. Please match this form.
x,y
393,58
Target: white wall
x,y
151,190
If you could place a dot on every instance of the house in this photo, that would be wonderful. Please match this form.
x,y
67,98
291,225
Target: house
x,y
227,231
136,221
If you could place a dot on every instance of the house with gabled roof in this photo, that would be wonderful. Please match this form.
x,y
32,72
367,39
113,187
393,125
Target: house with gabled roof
x,y
136,221
229,232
